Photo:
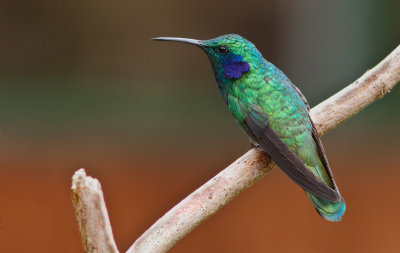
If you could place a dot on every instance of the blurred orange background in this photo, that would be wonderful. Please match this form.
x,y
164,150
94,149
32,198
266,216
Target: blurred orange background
x,y
82,85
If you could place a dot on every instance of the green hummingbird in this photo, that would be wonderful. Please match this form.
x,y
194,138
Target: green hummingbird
x,y
275,116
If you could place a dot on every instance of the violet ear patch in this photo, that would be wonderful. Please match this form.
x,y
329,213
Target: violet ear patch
x,y
234,66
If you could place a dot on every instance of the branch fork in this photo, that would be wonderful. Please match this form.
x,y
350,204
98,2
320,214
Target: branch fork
x,y
91,211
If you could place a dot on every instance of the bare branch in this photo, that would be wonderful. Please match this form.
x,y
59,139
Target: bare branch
x,y
374,84
253,165
204,202
91,214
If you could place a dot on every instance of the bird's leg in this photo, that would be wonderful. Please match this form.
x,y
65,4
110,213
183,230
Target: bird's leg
x,y
253,144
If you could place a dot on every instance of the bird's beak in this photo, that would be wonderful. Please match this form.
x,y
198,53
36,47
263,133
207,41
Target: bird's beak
x,y
198,43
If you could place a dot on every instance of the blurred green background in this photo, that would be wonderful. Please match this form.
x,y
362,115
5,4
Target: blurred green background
x,y
82,85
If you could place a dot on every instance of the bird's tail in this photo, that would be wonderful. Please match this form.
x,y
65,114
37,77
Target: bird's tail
x,y
329,210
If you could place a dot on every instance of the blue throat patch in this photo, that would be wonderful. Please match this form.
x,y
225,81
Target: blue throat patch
x,y
233,66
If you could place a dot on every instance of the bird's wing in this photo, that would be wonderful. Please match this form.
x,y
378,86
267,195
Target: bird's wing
x,y
315,135
257,123
302,97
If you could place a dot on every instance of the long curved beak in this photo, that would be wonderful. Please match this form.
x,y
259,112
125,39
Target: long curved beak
x,y
198,43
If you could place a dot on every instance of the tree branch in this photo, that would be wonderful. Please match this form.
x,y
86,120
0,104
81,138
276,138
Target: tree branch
x,y
241,174
373,85
253,165
91,214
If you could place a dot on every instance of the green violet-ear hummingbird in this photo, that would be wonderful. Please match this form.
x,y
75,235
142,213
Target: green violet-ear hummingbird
x,y
275,116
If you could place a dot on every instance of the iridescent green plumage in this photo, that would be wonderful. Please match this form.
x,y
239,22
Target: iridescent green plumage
x,y
275,116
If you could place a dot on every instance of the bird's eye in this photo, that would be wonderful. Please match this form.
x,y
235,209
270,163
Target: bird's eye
x,y
221,50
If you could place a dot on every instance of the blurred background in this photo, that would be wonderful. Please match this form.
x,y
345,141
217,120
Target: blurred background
x,y
82,85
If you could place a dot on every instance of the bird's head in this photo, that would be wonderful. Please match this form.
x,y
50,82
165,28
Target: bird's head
x,y
231,55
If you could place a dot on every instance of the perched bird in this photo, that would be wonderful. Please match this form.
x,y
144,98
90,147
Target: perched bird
x,y
275,116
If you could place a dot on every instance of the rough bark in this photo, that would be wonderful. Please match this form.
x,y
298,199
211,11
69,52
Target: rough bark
x,y
91,214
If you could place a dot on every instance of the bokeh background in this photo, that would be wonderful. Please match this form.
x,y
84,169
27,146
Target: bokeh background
x,y
82,85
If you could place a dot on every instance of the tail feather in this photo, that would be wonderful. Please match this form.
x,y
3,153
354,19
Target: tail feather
x,y
329,210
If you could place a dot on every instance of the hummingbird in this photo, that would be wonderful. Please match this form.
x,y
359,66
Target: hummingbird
x,y
274,114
